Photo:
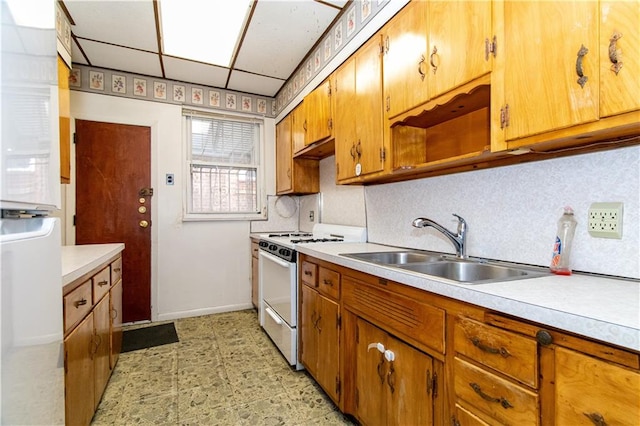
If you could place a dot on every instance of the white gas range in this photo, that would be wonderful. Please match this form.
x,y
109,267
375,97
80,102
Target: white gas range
x,y
278,282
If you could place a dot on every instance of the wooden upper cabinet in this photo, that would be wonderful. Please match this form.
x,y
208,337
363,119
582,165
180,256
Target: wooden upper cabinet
x,y
284,160
319,122
460,33
619,57
546,47
64,105
298,127
345,120
405,59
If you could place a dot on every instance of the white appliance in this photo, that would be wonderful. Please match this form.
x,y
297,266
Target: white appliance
x,y
278,282
31,356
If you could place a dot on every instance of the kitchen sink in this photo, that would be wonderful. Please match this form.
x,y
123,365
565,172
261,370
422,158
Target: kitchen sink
x,y
397,257
466,271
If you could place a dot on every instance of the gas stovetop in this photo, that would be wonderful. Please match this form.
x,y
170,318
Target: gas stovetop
x,y
282,244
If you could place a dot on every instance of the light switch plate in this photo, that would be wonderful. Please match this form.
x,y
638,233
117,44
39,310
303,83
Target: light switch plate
x,y
605,220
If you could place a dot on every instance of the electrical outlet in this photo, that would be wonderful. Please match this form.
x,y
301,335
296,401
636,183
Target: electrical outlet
x,y
605,220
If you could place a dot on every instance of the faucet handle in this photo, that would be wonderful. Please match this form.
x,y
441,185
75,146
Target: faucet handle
x,y
462,224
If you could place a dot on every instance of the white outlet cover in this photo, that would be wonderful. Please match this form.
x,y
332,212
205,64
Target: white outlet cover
x,y
605,220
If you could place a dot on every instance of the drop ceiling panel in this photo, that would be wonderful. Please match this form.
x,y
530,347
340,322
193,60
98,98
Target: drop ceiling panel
x,y
121,58
125,23
337,3
76,55
280,34
194,72
252,83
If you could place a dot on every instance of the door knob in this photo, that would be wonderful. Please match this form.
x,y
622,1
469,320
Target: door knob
x,y
143,224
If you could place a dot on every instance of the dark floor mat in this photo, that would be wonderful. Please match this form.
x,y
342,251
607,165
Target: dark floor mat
x,y
148,337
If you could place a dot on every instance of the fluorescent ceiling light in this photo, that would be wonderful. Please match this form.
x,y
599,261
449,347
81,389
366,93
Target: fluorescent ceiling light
x,y
202,30
33,14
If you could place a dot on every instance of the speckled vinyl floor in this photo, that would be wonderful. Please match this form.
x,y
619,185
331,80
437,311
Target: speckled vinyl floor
x,y
224,371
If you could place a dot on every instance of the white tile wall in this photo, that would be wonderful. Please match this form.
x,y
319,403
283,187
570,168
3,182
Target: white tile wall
x,y
512,211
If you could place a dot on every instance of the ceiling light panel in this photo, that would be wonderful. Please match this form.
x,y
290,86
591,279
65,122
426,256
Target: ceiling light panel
x,y
124,23
204,31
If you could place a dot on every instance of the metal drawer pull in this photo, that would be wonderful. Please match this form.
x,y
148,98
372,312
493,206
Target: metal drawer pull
x,y
422,74
616,65
119,269
391,378
581,54
596,419
114,314
308,273
433,53
328,282
103,283
477,389
478,344
79,303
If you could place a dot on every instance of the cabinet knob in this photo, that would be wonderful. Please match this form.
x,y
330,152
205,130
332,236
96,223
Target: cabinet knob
x,y
544,337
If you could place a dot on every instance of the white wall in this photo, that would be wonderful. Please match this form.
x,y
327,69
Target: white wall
x,y
197,267
512,211
341,204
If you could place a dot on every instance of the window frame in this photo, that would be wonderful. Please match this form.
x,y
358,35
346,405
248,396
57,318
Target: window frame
x,y
189,216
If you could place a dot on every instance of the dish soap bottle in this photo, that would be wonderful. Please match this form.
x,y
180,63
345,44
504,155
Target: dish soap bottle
x,y
562,247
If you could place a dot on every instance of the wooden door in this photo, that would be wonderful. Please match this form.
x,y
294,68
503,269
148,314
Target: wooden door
x,y
298,128
113,166
371,374
406,60
541,47
457,34
101,357
369,122
328,374
308,334
283,156
79,374
345,119
410,380
318,113
619,57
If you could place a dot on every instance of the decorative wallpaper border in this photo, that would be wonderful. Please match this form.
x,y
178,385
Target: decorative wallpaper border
x,y
358,14
116,83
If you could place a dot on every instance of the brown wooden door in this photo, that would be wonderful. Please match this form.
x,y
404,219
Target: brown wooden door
x,y
113,163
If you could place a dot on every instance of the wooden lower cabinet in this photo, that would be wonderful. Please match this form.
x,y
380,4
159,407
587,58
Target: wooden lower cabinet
x,y
394,382
93,338
410,357
254,273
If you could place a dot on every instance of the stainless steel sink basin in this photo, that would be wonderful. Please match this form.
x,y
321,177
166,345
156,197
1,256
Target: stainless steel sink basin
x,y
472,272
467,271
396,257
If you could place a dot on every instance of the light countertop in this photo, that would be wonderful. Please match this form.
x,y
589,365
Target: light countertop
x,y
600,308
81,259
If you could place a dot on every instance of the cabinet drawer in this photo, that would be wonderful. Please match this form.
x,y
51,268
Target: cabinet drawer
x,y
513,355
591,391
77,305
101,283
308,272
116,270
329,282
467,418
499,398
396,313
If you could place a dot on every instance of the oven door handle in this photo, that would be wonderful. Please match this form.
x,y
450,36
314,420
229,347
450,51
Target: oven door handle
x,y
275,259
273,316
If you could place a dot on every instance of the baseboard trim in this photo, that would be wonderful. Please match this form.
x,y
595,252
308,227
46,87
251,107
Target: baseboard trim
x,y
205,311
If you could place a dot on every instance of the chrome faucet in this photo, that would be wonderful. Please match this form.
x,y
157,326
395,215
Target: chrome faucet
x,y
458,240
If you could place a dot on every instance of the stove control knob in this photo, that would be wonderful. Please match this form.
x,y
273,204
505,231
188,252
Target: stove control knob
x,y
285,252
273,247
263,244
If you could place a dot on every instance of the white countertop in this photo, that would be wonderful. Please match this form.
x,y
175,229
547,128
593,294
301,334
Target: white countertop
x,y
600,308
81,259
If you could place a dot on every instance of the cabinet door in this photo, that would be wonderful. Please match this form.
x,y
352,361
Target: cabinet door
x,y
410,380
79,373
345,119
541,48
283,156
369,123
328,357
619,57
116,322
318,113
308,334
65,121
298,128
371,375
405,59
590,391
102,355
457,57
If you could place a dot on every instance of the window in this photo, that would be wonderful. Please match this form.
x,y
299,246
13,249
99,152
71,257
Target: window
x,y
224,165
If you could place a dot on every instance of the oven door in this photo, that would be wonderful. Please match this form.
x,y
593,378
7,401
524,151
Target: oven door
x,y
278,279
